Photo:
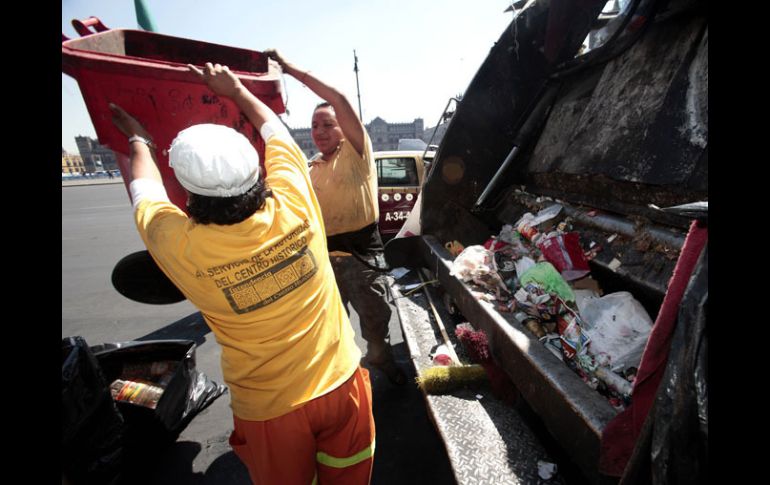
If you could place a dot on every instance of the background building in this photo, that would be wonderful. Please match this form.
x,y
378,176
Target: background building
x,y
385,135
96,157
440,131
71,163
304,141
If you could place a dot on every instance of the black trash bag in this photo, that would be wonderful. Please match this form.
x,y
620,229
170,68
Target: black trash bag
x,y
673,444
187,391
92,426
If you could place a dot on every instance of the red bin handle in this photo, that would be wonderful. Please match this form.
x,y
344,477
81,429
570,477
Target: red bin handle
x,y
81,26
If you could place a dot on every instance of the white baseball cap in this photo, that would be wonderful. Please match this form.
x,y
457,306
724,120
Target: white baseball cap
x,y
214,160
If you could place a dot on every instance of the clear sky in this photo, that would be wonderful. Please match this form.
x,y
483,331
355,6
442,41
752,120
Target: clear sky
x,y
413,55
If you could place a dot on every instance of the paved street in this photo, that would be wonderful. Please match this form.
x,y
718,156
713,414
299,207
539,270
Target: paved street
x,y
97,231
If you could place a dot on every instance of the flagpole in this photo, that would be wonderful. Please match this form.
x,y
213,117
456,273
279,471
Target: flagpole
x,y
358,90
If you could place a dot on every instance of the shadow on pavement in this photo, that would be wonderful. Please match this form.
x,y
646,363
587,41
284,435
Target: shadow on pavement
x,y
175,466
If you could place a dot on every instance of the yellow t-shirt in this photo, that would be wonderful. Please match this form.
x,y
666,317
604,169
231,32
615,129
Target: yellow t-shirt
x,y
265,287
346,187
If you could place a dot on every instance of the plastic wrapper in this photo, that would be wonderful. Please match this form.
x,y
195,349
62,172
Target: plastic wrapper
x,y
618,326
474,260
566,255
616,383
530,226
441,356
141,393
506,267
493,244
573,340
552,343
516,247
523,265
508,234
535,301
477,264
538,297
546,470
545,275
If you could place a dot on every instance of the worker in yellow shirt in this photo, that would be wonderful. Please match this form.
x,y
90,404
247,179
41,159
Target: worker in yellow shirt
x,y
252,257
344,178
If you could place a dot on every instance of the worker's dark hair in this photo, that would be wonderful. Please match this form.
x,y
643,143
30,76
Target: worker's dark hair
x,y
324,105
228,210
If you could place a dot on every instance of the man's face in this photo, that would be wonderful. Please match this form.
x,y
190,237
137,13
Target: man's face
x,y
325,131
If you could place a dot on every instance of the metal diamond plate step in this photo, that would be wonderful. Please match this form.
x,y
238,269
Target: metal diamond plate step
x,y
487,441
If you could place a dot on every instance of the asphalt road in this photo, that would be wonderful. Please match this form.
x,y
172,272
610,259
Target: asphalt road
x,y
97,231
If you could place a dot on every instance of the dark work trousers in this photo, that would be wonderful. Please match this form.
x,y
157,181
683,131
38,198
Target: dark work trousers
x,y
367,292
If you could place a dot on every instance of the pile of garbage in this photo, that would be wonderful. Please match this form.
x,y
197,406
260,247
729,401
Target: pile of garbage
x,y
537,270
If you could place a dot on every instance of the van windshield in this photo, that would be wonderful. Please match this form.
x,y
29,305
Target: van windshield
x,y
396,172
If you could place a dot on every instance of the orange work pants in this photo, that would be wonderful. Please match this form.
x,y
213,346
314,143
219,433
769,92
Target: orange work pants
x,y
329,440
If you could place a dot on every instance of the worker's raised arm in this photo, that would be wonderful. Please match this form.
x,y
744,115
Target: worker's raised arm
x,y
351,126
142,164
224,83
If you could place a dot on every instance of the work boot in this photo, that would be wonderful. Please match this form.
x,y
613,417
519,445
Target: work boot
x,y
380,356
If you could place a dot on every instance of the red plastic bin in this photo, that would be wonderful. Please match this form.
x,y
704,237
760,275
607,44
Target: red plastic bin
x,y
146,74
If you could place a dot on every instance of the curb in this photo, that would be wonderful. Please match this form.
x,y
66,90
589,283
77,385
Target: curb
x,y
80,183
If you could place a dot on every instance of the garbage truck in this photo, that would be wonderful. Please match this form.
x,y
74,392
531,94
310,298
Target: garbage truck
x,y
565,219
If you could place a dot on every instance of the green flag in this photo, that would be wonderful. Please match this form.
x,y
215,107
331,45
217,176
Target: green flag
x,y
143,16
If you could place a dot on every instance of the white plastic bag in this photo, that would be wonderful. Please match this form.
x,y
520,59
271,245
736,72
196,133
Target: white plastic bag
x,y
618,326
473,261
477,264
544,215
523,265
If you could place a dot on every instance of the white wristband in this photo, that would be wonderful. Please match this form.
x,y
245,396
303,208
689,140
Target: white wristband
x,y
141,139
